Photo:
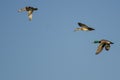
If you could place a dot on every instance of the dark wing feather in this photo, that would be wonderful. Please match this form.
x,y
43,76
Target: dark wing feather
x,y
90,29
81,24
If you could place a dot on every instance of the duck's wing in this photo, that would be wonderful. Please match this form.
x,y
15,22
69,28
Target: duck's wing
x,y
30,14
82,25
22,9
107,41
90,29
100,48
107,47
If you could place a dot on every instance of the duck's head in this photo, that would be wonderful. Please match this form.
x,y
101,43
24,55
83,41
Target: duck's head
x,y
96,41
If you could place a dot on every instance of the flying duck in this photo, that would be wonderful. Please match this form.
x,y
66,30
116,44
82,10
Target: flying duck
x,y
29,9
103,43
83,27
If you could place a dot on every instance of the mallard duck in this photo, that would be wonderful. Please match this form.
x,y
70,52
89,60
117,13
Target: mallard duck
x,y
83,27
103,43
29,9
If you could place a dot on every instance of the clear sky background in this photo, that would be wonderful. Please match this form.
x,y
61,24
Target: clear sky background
x,y
47,48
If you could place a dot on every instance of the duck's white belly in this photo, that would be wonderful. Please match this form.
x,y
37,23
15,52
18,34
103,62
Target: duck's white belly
x,y
85,29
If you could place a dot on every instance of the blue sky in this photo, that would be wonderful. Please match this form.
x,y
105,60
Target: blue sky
x,y
47,48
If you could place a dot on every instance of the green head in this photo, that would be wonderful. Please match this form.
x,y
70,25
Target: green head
x,y
96,41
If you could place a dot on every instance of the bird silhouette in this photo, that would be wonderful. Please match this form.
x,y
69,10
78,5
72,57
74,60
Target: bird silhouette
x,y
103,43
29,9
83,27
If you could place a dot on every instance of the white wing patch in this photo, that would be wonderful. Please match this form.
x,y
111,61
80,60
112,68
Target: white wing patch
x,y
30,15
85,29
